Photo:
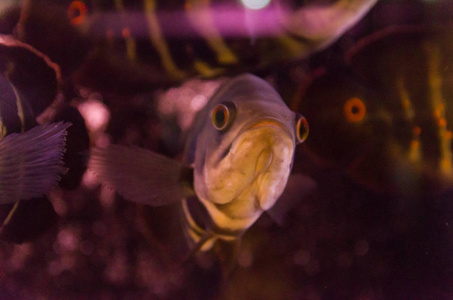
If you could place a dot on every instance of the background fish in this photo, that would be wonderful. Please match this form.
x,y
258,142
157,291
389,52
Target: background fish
x,y
241,149
32,155
385,114
137,46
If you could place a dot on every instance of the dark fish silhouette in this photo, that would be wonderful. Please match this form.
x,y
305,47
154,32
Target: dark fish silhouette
x,y
32,155
386,114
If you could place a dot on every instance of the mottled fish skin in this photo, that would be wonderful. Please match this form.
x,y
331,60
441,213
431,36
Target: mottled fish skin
x,y
388,111
241,148
164,42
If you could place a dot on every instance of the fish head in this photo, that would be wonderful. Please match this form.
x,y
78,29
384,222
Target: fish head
x,y
245,152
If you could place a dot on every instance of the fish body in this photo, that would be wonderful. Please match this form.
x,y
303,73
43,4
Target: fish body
x,y
164,42
237,160
28,150
385,115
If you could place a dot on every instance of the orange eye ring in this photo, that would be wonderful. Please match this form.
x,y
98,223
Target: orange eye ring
x,y
302,129
354,110
77,12
220,117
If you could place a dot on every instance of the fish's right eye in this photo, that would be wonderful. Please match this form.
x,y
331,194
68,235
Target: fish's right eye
x,y
302,129
222,116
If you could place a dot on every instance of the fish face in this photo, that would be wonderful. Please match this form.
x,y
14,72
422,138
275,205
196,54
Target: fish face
x,y
244,158
250,176
256,155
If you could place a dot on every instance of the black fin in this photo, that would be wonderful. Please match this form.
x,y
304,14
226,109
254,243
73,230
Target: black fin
x,y
77,145
31,162
140,175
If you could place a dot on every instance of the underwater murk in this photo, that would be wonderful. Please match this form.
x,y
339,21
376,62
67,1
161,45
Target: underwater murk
x,y
103,103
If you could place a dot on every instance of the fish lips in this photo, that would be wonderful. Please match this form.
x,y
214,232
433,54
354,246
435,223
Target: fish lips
x,y
270,145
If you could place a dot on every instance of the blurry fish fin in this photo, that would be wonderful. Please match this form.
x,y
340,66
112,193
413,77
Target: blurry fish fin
x,y
77,145
140,175
31,162
194,249
227,253
297,188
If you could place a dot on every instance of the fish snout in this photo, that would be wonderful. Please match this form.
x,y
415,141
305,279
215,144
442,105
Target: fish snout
x,y
272,147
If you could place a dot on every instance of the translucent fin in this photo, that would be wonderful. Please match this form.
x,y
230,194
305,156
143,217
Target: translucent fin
x,y
297,188
31,162
140,175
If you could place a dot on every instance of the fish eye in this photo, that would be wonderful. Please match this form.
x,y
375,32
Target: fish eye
x,y
302,129
222,115
77,12
354,110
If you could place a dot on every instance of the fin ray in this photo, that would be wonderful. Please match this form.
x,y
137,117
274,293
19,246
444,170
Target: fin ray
x,y
139,175
31,162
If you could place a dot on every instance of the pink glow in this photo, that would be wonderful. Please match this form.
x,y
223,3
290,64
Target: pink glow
x,y
260,22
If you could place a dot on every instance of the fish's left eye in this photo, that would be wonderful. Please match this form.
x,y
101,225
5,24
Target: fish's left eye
x,y
222,116
302,129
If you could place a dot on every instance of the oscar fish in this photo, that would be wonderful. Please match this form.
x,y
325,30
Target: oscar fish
x,y
384,115
132,46
236,163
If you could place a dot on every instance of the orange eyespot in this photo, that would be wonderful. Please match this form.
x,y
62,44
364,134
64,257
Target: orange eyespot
x,y
77,12
302,129
222,116
354,110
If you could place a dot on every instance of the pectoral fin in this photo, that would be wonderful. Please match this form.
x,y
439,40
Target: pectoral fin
x,y
297,188
140,175
31,162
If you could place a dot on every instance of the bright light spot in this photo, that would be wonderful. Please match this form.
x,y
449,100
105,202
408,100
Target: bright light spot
x,y
182,103
255,4
198,102
89,180
95,113
68,239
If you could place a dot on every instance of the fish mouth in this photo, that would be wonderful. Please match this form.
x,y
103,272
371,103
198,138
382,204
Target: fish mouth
x,y
267,147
